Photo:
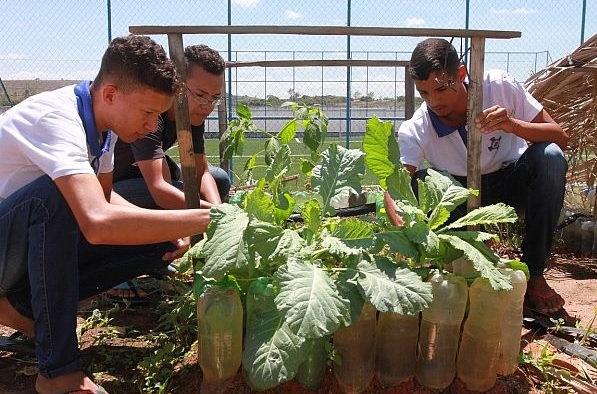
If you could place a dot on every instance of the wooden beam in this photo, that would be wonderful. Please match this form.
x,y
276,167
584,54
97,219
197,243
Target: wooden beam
x,y
323,31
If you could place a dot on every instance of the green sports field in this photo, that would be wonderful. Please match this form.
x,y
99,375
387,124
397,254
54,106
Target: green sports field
x,y
254,145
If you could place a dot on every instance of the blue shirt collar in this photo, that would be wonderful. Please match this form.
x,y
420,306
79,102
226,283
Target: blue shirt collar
x,y
85,108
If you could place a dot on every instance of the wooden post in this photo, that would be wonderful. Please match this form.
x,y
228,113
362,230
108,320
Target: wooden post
x,y
222,124
475,106
409,94
183,125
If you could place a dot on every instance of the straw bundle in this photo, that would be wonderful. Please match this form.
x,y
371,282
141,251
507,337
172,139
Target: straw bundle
x,y
568,90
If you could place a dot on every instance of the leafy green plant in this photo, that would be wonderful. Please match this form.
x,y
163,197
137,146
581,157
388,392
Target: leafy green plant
x,y
427,237
321,269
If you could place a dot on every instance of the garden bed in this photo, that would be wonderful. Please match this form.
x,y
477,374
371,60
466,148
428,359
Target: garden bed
x,y
113,361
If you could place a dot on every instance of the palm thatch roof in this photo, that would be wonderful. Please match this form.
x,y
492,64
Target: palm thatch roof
x,y
568,90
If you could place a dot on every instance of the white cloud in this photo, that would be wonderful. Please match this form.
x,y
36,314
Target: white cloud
x,y
293,15
516,11
246,3
414,22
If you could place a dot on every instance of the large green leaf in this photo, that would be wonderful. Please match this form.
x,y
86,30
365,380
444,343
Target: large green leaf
x,y
243,111
355,233
272,353
273,243
260,205
496,213
288,132
309,299
381,149
399,187
284,206
486,267
339,171
448,196
393,289
311,215
398,242
225,248
272,146
279,165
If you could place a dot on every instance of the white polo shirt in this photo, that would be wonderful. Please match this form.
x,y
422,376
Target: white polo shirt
x,y
44,134
419,141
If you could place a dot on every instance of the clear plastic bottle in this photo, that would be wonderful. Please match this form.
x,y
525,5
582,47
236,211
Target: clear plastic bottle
x,y
396,351
481,336
586,237
355,345
512,324
220,317
312,370
440,331
463,266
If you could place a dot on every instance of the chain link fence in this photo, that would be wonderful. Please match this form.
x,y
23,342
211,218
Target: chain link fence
x,y
49,44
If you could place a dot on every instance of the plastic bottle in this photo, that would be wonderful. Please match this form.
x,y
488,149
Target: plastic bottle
x,y
396,350
463,266
220,317
355,345
575,244
586,236
440,331
512,325
259,306
312,370
481,336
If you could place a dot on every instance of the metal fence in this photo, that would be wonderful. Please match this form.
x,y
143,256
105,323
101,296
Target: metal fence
x,y
49,44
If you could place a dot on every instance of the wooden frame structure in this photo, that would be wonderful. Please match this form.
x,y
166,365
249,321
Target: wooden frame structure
x,y
475,98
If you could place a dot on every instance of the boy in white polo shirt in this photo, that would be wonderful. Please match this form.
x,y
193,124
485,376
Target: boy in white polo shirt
x,y
522,163
64,234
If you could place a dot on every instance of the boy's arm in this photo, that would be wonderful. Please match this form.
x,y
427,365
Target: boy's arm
x,y
209,188
105,223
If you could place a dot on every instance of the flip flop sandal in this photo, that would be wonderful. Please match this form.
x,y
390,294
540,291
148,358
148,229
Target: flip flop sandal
x,y
100,390
17,343
543,296
129,286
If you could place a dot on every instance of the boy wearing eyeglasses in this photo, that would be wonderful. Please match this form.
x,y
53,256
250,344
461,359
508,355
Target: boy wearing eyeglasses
x,y
145,175
522,163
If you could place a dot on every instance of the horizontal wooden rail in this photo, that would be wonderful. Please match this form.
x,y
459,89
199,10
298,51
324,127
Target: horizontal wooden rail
x,y
320,63
324,31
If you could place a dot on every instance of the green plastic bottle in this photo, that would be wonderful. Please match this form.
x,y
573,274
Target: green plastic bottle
x,y
220,317
355,345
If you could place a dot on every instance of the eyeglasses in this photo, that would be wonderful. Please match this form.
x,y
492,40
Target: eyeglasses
x,y
204,101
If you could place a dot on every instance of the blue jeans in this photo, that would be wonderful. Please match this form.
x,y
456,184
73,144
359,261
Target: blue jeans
x,y
135,190
535,186
47,266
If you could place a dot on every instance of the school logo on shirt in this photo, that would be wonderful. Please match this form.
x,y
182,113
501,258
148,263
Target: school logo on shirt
x,y
494,143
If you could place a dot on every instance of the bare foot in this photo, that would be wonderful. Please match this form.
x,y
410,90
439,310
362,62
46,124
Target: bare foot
x,y
9,317
541,297
75,381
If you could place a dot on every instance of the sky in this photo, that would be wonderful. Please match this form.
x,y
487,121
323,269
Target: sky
x,y
65,39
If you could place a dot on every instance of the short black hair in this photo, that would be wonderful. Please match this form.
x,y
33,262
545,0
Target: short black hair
x,y
205,57
433,54
138,61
